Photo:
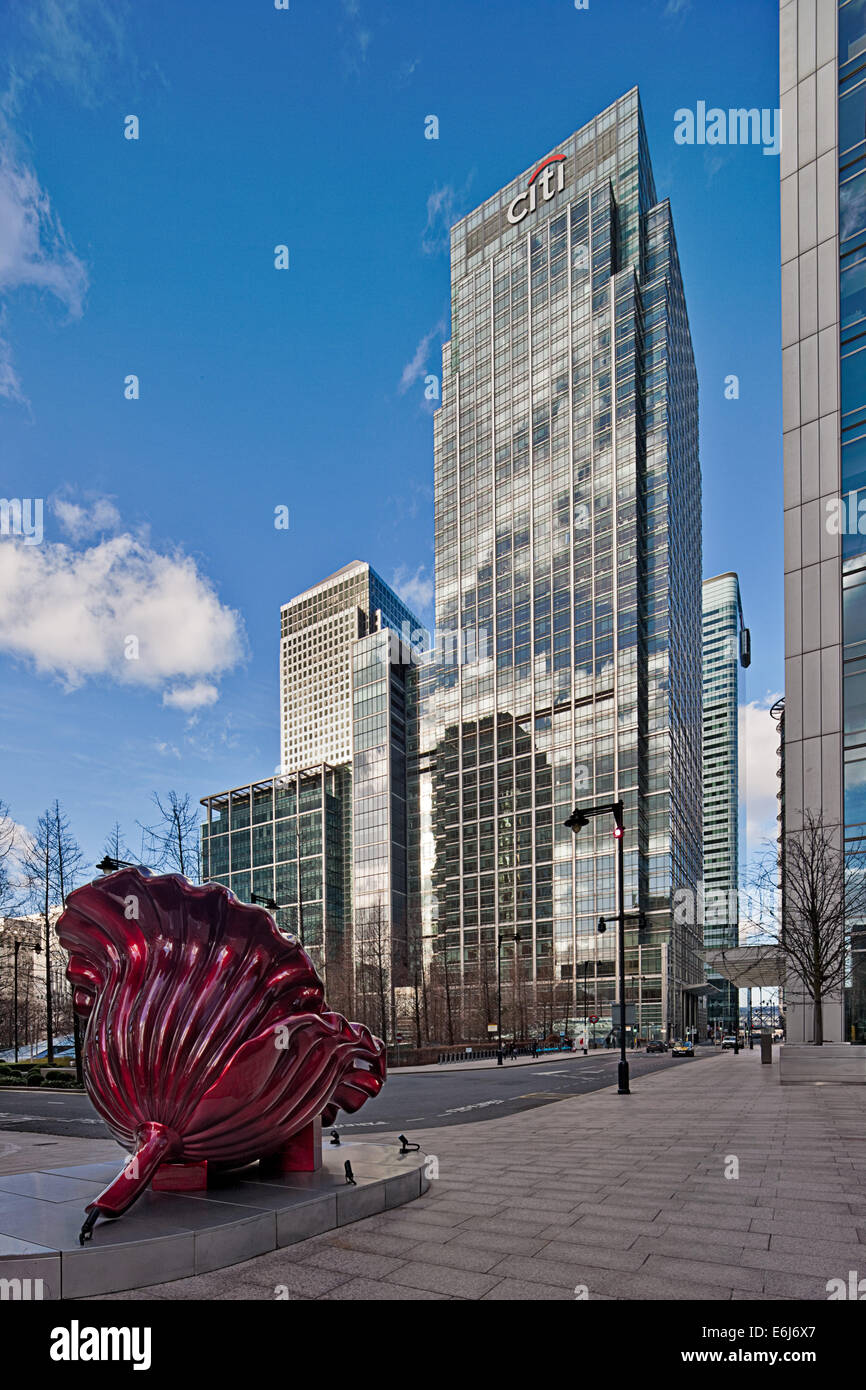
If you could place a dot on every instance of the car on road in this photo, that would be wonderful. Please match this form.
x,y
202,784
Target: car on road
x,y
683,1049
728,1041
656,1045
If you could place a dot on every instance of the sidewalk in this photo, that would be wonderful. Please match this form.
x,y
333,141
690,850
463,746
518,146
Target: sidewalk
x,y
508,1062
624,1195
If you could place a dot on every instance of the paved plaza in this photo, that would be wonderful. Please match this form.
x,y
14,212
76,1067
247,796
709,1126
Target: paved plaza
x,y
623,1197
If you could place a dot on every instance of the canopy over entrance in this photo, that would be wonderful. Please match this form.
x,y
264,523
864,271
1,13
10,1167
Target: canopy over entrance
x,y
748,967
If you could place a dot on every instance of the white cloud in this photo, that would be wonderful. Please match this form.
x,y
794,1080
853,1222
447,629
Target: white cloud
x,y
119,611
191,697
759,763
34,254
415,368
33,246
416,590
445,206
75,45
441,216
10,382
82,522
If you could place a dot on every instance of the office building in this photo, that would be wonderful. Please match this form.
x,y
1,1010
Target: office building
x,y
823,171
726,653
568,531
325,838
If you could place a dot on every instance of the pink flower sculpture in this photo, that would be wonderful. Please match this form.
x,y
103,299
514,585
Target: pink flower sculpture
x,y
207,1036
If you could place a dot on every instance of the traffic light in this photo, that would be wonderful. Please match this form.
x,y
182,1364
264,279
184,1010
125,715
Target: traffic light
x,y
602,924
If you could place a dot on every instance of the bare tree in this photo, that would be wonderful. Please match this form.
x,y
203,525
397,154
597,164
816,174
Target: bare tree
x,y
373,967
51,863
115,845
808,927
10,889
174,842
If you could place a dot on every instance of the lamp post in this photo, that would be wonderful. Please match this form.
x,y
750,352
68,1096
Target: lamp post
x,y
576,822
509,936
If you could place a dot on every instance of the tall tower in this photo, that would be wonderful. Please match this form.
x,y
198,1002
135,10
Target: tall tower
x,y
726,651
823,159
318,629
568,534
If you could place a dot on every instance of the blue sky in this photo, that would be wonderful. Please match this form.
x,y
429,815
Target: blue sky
x,y
262,388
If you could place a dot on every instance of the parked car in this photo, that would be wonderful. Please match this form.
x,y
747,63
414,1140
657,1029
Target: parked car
x,y
655,1045
728,1041
683,1049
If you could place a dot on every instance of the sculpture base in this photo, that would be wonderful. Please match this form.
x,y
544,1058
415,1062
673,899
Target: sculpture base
x,y
170,1235
302,1153
180,1177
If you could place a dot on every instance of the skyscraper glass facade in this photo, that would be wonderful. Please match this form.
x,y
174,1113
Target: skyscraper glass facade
x,y
723,625
566,460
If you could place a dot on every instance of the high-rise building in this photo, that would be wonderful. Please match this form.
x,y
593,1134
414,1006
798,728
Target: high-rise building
x,y
318,631
325,838
567,529
823,172
726,652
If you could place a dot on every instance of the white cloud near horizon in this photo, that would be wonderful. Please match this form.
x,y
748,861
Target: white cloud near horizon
x,y
71,613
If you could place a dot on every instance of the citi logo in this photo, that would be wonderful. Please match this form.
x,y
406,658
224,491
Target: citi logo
x,y
549,179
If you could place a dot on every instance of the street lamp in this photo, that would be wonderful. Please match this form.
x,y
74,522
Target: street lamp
x,y
273,906
508,936
576,822
110,866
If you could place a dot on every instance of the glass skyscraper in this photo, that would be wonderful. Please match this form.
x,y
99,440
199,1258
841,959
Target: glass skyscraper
x,y
726,651
568,531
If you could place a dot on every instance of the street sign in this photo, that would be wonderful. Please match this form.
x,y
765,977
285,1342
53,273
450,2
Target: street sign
x,y
593,1018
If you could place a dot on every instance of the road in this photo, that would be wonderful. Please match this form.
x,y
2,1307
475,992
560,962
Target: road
x,y
424,1099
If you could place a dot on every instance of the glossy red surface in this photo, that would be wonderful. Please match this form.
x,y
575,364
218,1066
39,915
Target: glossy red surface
x,y
207,1033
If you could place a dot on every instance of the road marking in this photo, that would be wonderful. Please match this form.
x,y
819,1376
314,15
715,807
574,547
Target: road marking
x,y
461,1109
550,1073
